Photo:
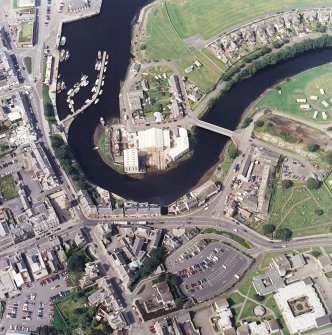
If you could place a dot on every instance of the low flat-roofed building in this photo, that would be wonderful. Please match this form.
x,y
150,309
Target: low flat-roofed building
x,y
268,282
204,192
266,156
7,284
242,330
323,321
26,3
273,326
258,328
130,161
181,144
296,261
281,264
36,263
135,100
300,306
164,295
155,138
78,5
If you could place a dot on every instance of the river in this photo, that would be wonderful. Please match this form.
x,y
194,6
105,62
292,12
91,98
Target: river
x,y
111,31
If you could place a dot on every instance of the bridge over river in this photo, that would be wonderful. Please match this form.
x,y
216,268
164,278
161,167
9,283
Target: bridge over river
x,y
234,135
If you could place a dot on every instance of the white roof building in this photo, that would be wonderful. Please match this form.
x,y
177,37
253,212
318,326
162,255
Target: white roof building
x,y
297,319
181,145
153,138
130,159
25,3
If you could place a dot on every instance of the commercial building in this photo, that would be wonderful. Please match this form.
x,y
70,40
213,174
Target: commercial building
x,y
131,161
26,3
204,192
181,146
153,138
43,218
300,306
35,263
268,282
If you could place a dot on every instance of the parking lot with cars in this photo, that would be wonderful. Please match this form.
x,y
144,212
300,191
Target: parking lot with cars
x,y
33,307
213,271
295,170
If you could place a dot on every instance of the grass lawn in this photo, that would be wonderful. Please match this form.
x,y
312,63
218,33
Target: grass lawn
x,y
248,310
294,208
28,64
26,32
208,18
328,250
328,182
235,299
7,187
59,322
328,274
302,86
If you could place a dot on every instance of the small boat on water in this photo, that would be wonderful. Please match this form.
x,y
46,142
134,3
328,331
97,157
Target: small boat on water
x,y
99,54
96,101
102,121
100,92
95,148
102,83
106,62
107,55
87,101
63,40
62,55
93,89
105,68
67,55
70,91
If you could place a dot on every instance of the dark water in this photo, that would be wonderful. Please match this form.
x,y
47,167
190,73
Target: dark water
x,y
111,31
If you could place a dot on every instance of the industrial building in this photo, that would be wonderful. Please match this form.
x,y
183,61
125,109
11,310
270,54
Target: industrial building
x,y
181,144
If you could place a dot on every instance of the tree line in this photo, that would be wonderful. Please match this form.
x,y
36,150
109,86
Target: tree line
x,y
263,58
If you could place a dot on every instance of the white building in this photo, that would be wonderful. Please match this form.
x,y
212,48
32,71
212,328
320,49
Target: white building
x,y
25,3
154,138
130,161
181,145
36,263
297,318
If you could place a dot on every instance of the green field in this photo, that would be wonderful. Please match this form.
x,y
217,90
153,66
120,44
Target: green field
x,y
164,43
295,207
7,187
208,18
302,86
26,32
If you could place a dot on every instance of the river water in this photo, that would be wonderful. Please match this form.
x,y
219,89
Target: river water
x,y
111,31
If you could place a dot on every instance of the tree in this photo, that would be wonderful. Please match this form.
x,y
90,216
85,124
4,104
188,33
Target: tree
x,y
328,157
233,152
316,253
259,297
286,184
76,262
47,330
283,234
313,147
259,123
319,211
269,229
246,122
313,183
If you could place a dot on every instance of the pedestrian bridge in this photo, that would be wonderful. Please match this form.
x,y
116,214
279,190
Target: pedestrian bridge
x,y
214,128
234,135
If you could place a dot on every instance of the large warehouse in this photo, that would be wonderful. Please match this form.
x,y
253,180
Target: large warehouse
x,y
154,138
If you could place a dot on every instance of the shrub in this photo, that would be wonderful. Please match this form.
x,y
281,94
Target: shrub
x,y
313,147
286,184
313,183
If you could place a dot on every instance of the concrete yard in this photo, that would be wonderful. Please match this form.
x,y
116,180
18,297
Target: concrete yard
x,y
217,268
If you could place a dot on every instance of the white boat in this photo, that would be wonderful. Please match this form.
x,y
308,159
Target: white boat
x,y
107,55
100,92
96,101
70,91
87,101
99,54
102,83
93,89
102,121
106,62
95,148
97,81
63,41
105,69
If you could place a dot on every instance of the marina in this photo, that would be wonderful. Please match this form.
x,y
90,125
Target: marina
x,y
96,90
